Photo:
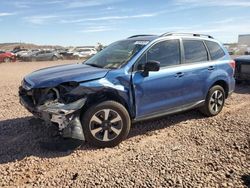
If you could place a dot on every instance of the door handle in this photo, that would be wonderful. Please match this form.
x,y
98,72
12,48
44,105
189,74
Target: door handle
x,y
210,68
179,74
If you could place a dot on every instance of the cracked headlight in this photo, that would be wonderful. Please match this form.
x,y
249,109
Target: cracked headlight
x,y
69,93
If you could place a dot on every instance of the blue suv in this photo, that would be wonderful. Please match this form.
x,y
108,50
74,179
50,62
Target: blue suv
x,y
139,78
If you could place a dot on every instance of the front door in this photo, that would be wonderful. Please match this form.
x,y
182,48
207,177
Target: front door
x,y
159,91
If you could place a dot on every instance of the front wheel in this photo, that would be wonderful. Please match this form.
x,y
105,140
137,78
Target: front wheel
x,y
7,60
106,124
214,101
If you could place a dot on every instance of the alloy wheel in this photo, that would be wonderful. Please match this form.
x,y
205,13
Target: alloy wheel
x,y
216,101
105,125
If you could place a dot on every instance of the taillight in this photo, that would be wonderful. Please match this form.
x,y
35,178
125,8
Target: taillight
x,y
232,64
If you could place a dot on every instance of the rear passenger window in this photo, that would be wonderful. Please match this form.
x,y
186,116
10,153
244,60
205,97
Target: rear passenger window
x,y
215,50
166,52
195,51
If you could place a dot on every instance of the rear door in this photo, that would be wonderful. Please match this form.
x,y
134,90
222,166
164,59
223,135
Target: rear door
x,y
196,70
40,56
48,55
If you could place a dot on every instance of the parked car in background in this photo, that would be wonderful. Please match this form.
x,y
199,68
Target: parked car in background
x,y
42,55
135,79
68,55
7,57
21,53
84,52
242,71
247,52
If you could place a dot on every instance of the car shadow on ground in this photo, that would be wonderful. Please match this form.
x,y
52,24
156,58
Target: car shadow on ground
x,y
23,137
147,127
246,180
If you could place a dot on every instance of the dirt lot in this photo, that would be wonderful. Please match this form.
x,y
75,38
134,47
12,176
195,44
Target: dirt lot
x,y
184,150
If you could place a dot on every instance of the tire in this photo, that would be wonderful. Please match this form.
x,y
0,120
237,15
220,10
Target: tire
x,y
54,58
214,101
98,128
7,60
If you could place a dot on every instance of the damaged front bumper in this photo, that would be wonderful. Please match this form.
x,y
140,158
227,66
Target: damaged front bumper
x,y
67,116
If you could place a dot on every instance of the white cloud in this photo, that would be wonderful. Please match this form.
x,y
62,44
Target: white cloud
x,y
20,4
27,4
105,18
205,3
97,29
54,2
88,3
40,19
121,17
110,8
6,14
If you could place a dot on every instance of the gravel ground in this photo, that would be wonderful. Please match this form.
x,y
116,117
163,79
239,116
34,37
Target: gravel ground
x,y
183,150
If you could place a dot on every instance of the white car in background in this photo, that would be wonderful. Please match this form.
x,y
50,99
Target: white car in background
x,y
84,52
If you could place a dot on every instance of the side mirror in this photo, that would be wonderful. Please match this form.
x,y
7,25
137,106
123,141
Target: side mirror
x,y
151,66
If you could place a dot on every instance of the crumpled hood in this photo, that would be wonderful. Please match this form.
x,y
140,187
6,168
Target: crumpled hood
x,y
53,76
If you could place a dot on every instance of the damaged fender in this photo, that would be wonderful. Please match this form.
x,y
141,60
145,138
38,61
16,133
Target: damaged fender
x,y
62,114
56,107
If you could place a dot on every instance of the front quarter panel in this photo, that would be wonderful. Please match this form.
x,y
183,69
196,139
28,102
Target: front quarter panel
x,y
116,85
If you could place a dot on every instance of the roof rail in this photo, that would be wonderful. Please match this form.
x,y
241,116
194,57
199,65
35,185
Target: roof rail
x,y
190,34
140,36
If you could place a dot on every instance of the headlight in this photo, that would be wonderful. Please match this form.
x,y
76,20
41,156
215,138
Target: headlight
x,y
66,91
63,93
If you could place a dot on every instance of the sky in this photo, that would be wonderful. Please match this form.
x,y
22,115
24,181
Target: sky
x,y
86,22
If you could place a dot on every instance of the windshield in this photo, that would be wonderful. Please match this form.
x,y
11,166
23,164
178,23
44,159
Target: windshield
x,y
116,54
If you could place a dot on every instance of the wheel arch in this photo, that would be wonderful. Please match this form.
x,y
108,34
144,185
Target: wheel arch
x,y
54,56
105,96
223,84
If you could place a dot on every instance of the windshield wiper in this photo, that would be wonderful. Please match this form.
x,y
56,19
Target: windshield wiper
x,y
95,65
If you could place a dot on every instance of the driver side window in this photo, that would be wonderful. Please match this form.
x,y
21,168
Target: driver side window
x,y
166,52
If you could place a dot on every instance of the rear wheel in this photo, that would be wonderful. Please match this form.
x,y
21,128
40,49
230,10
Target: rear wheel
x,y
54,58
106,124
214,101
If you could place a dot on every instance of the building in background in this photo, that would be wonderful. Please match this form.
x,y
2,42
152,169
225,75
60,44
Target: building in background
x,y
244,40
